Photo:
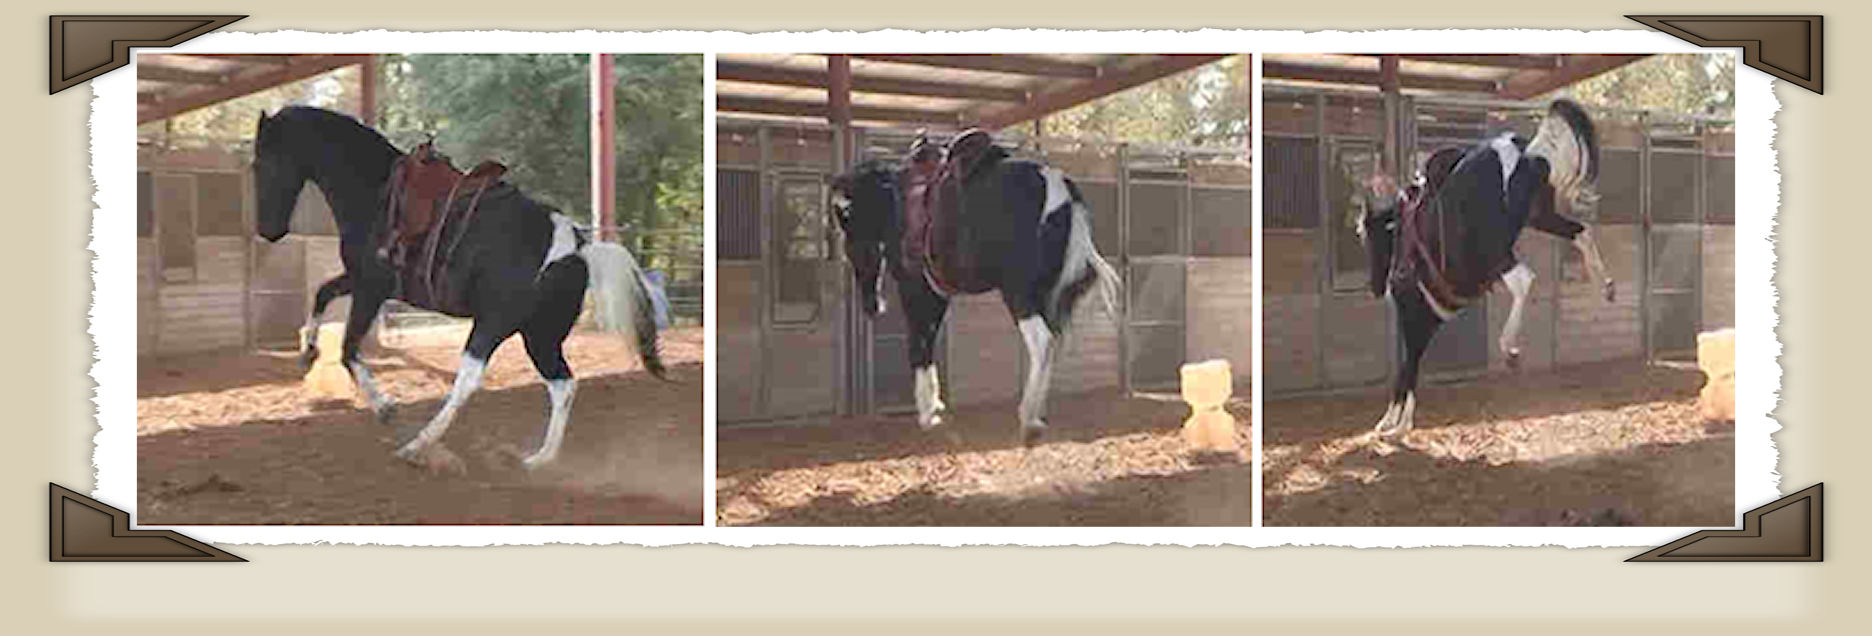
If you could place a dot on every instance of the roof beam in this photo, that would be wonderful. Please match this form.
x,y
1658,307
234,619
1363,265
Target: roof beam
x,y
766,106
1082,92
1340,75
251,58
1013,64
176,75
786,76
1574,68
1493,60
303,66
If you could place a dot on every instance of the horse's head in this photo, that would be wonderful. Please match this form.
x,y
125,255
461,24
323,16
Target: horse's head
x,y
278,176
866,201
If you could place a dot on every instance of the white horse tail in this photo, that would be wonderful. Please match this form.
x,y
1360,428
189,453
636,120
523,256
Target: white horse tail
x,y
1083,266
623,300
1571,146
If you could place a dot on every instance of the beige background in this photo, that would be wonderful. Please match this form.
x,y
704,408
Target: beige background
x,y
314,589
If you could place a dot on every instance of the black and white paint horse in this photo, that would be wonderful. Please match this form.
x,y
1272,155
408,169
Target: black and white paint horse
x,y
1017,227
517,266
1441,247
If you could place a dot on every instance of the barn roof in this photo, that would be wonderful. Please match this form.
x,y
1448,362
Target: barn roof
x,y
939,91
1512,77
172,84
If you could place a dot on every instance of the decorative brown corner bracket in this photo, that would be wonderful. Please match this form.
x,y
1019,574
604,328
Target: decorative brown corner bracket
x,y
84,529
1785,46
86,46
1787,530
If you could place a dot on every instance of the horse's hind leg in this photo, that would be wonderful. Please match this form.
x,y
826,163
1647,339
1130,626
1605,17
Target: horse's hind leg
x,y
1040,340
1520,281
545,336
1546,220
482,340
1595,265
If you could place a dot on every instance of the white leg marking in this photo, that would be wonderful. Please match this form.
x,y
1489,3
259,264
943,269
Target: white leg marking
x,y
466,381
1409,413
1058,195
1509,155
565,241
928,398
362,375
560,392
1520,280
1595,265
1389,420
1039,340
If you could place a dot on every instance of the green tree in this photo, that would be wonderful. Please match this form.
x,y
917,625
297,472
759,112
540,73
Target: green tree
x,y
1208,105
1680,85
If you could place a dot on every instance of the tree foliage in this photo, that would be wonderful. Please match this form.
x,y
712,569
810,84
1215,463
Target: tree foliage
x,y
1675,85
1208,105
531,112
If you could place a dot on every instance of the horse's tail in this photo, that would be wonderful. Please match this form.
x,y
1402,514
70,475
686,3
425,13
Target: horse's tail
x,y
1571,145
623,299
1083,266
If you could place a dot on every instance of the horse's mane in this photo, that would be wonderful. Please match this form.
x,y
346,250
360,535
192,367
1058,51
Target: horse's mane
x,y
326,122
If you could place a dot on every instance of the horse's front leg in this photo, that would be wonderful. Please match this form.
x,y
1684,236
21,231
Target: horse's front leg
x,y
1416,322
924,315
482,340
1520,281
364,308
339,285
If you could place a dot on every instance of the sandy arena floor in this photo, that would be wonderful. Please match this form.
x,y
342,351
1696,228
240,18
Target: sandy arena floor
x,y
1616,443
1107,461
232,439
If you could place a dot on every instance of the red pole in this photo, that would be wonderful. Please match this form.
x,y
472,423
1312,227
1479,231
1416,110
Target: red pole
x,y
838,94
367,91
604,148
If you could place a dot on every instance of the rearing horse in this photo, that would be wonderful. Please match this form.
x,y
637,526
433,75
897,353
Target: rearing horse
x,y
514,265
950,224
1440,247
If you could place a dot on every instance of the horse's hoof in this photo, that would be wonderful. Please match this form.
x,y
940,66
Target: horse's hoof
x,y
930,423
1514,359
386,414
1611,292
307,358
412,451
1389,429
537,461
1032,432
435,458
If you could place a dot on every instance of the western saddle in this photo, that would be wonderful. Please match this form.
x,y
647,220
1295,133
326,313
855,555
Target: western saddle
x,y
421,201
933,201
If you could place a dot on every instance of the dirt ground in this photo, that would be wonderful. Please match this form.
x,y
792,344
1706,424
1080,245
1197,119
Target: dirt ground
x,y
1616,443
232,439
1106,461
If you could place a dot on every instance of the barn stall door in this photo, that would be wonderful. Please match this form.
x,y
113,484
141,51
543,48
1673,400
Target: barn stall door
x,y
802,353
1675,251
1157,273
740,296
